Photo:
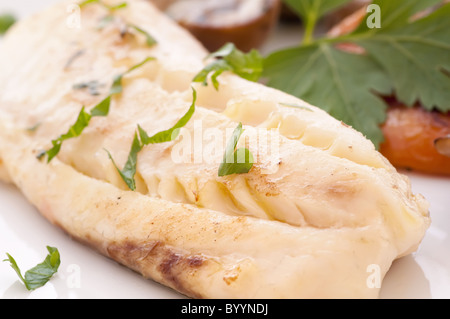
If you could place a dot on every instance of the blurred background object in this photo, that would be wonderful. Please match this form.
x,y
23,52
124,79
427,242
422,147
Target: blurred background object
x,y
287,15
246,23
337,16
6,21
414,138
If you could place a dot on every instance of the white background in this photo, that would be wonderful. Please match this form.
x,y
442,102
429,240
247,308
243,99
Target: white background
x,y
85,274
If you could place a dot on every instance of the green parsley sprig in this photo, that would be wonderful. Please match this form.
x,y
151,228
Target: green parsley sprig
x,y
40,274
228,58
406,57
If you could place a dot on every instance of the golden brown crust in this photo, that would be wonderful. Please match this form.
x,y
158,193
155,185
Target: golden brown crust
x,y
169,262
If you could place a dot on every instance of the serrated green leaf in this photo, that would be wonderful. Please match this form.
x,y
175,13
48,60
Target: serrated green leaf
x,y
415,55
407,56
396,13
343,84
236,161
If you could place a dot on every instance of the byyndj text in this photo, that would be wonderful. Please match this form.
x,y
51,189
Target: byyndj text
x,y
229,308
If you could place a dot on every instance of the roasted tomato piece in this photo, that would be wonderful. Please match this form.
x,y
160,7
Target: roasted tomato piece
x,y
417,139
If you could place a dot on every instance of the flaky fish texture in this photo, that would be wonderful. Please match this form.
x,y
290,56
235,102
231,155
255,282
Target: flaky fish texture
x,y
317,216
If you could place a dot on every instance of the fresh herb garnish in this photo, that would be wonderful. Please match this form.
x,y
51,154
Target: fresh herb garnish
x,y
118,6
236,161
338,82
415,55
86,2
102,108
6,21
39,275
148,38
172,133
116,87
129,170
228,58
408,57
74,131
83,119
141,139
111,8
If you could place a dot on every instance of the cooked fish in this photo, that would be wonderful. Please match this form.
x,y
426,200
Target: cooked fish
x,y
317,210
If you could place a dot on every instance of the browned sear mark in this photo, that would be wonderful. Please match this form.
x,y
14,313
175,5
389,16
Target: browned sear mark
x,y
172,265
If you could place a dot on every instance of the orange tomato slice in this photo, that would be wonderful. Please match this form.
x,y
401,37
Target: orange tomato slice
x,y
410,135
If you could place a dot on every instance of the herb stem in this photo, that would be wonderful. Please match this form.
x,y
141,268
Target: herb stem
x,y
310,27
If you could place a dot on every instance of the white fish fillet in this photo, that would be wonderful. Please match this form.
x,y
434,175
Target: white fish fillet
x,y
307,221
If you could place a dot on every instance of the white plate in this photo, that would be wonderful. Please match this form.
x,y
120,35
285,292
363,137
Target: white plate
x,y
85,274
